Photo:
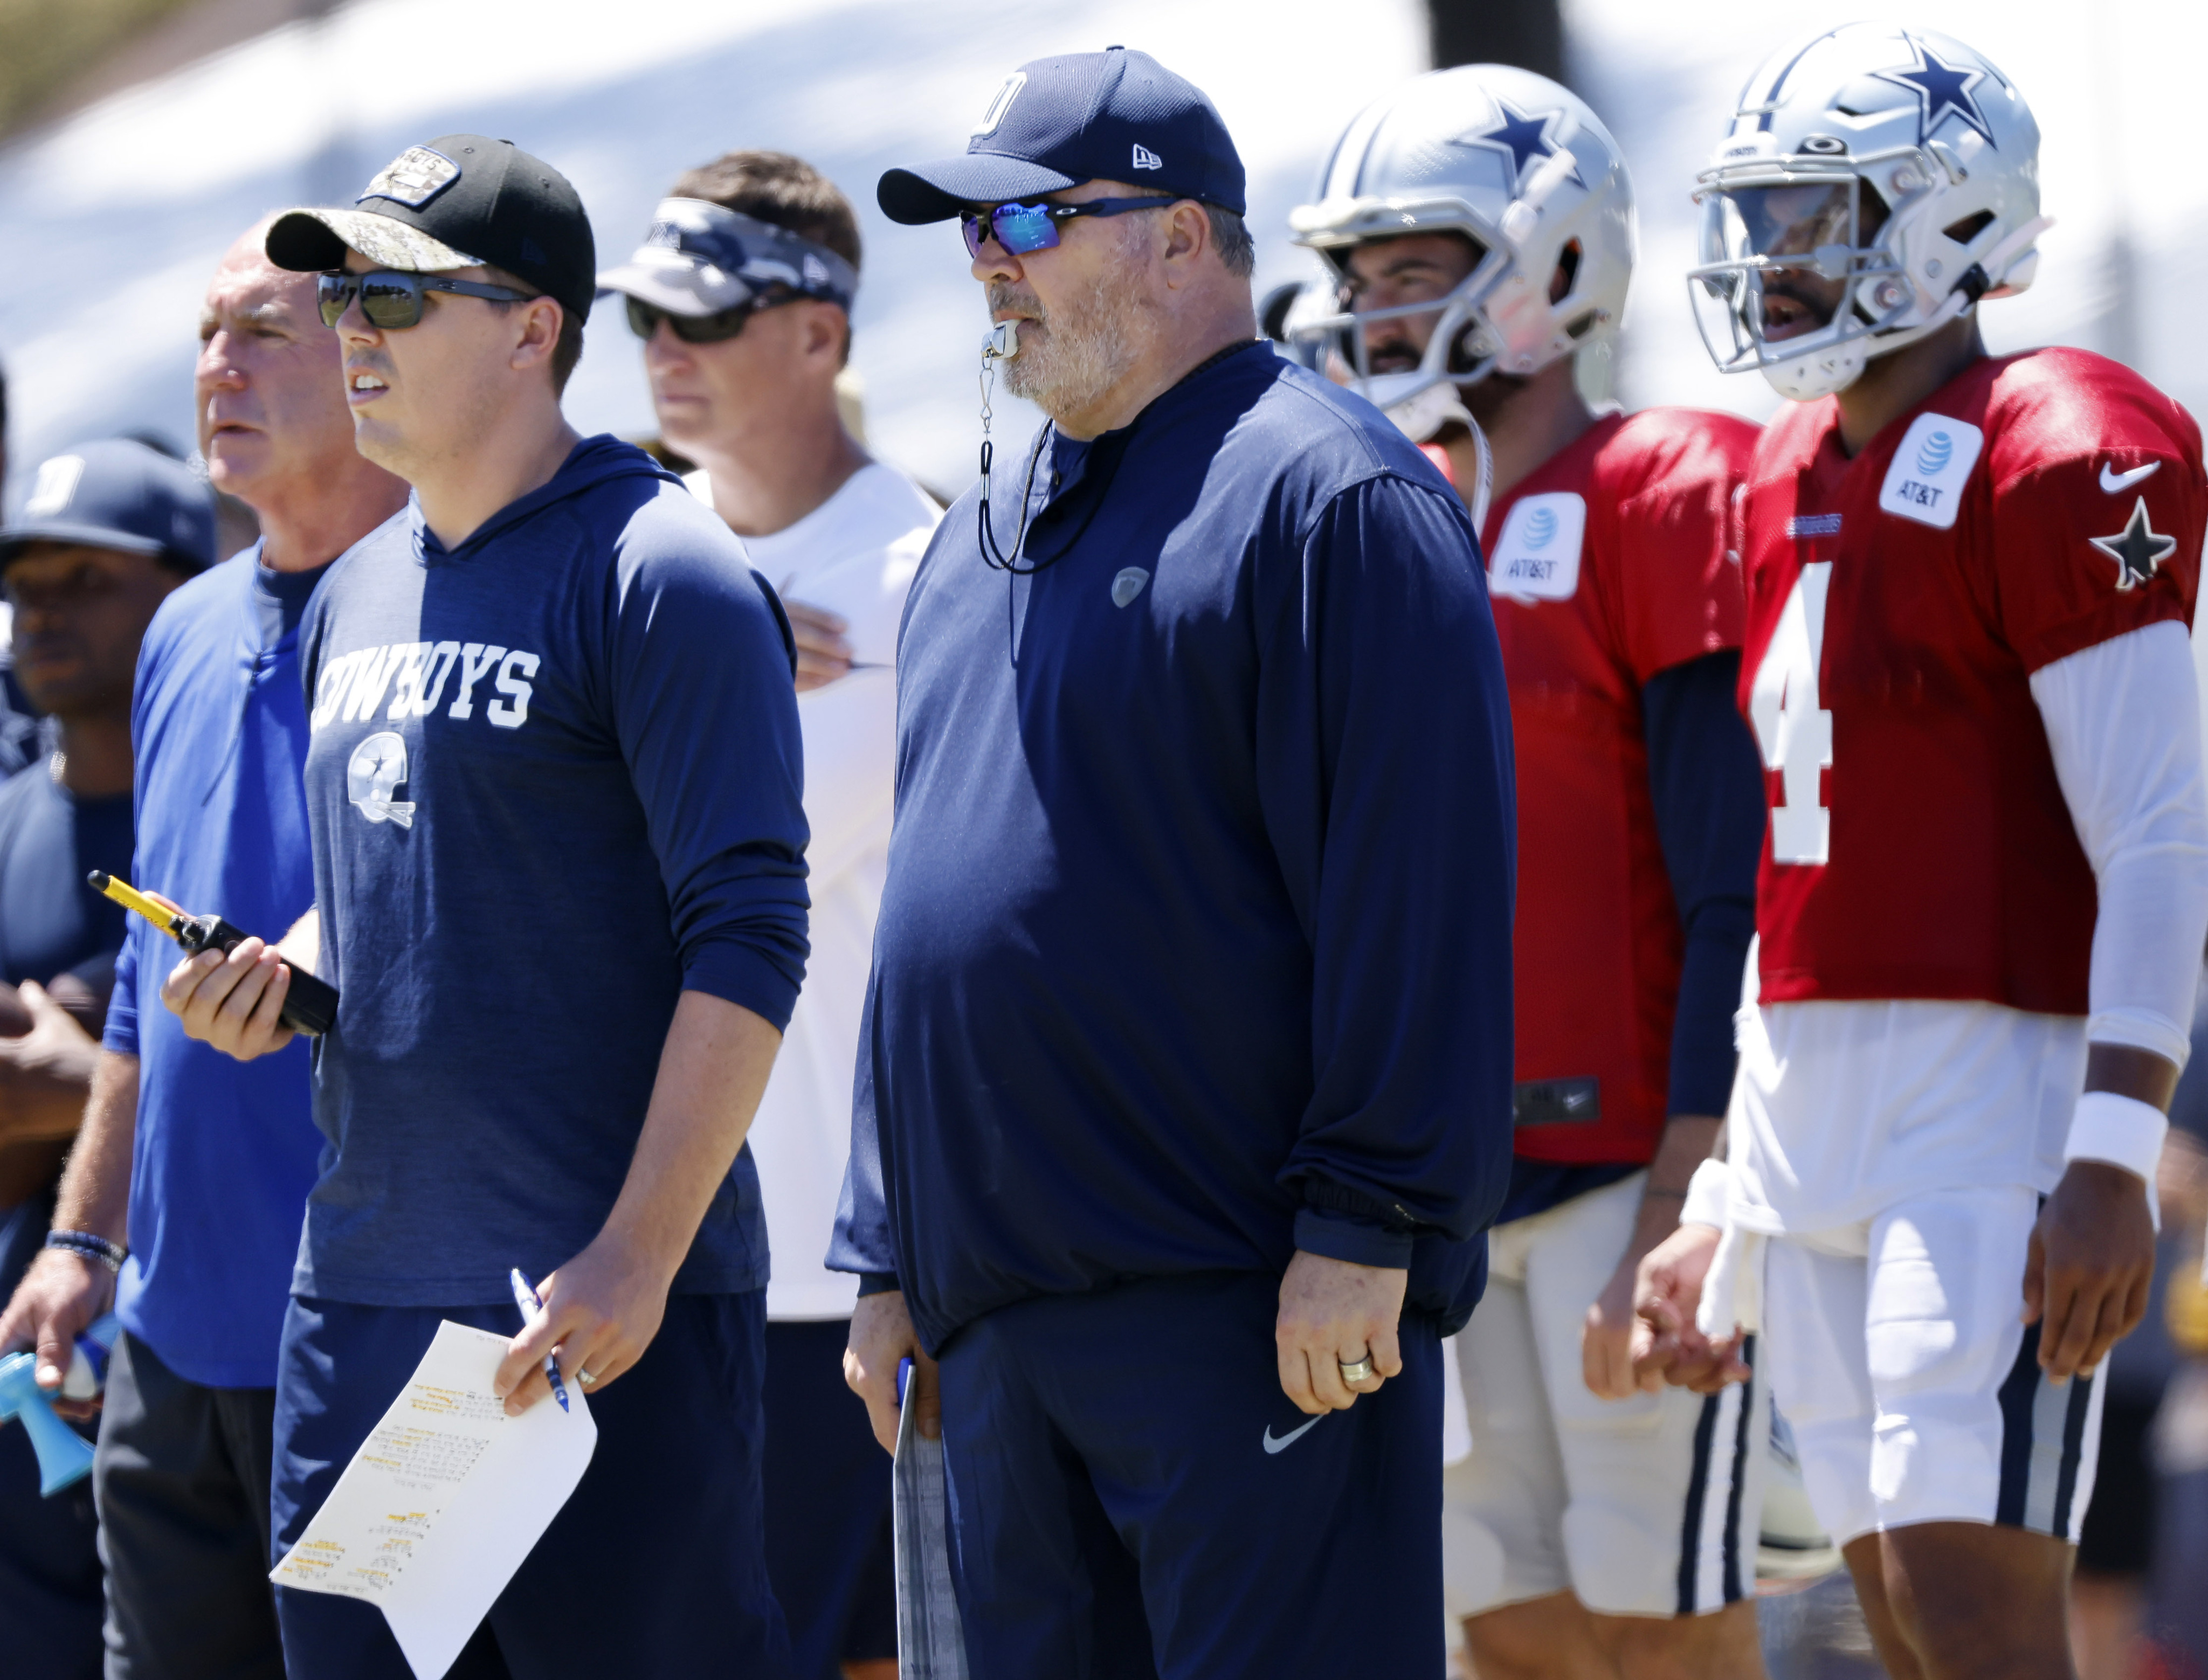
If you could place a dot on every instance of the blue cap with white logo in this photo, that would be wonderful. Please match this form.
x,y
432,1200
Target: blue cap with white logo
x,y
117,493
1056,123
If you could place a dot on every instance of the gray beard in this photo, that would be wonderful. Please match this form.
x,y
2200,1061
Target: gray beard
x,y
1092,343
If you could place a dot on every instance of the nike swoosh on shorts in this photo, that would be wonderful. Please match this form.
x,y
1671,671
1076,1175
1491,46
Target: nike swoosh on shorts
x,y
1273,1445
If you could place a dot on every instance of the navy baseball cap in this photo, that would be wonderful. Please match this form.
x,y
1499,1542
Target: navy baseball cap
x,y
461,201
117,493
1056,123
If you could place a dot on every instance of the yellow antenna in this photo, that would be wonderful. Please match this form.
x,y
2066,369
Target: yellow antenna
x,y
131,899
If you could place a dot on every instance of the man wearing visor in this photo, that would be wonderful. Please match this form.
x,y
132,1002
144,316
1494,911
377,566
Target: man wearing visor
x,y
742,294
1985,882
1185,1097
1480,225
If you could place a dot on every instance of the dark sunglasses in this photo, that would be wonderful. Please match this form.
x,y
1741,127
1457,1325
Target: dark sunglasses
x,y
1020,228
391,297
718,327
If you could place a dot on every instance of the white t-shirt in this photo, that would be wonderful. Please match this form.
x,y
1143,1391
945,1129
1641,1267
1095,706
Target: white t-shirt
x,y
856,555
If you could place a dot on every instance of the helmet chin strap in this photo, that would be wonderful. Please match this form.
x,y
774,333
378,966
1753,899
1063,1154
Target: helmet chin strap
x,y
1819,372
1420,417
1425,412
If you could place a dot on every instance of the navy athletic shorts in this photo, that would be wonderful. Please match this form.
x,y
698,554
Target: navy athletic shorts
x,y
654,1567
1131,1495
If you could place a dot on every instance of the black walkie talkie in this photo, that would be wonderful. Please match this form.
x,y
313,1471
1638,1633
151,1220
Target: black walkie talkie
x,y
311,1006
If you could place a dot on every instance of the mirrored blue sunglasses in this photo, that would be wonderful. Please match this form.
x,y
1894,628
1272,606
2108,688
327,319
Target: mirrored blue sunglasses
x,y
1020,228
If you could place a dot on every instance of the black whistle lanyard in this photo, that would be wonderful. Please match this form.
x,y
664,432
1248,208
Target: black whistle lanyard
x,y
992,556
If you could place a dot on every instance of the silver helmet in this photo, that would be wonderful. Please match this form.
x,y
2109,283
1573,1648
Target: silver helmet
x,y
1898,161
1520,168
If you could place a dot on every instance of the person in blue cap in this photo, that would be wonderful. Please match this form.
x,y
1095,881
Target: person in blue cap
x,y
108,531
1185,1095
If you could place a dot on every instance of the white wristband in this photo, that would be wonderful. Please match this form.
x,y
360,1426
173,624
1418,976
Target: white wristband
x,y
2122,1131
1708,1193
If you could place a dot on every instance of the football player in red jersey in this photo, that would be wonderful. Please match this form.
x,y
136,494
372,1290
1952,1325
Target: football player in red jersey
x,y
1982,896
1479,223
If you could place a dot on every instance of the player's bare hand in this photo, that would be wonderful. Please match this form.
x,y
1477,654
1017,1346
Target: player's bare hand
x,y
823,655
233,1002
2088,1269
61,1293
1606,1336
882,1336
45,1072
601,1312
1666,1292
1332,1313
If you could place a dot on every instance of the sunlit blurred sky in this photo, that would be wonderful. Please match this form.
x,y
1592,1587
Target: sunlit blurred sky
x,y
110,221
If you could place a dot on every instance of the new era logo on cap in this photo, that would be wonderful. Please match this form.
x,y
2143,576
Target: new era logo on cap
x,y
1056,123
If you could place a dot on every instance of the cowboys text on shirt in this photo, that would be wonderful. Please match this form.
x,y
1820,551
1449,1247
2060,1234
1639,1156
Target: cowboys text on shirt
x,y
416,675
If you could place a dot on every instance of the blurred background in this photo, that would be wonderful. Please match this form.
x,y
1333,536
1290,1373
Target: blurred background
x,y
139,137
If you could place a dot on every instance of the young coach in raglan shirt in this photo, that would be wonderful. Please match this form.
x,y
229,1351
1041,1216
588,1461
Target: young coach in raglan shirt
x,y
553,785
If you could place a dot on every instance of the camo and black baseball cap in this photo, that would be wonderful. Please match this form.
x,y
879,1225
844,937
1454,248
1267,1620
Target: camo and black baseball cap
x,y
462,201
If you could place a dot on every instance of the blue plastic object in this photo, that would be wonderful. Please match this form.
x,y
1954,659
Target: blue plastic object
x,y
64,1456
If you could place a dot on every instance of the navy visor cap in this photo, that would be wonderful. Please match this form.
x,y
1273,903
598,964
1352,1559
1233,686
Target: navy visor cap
x,y
1056,123
116,494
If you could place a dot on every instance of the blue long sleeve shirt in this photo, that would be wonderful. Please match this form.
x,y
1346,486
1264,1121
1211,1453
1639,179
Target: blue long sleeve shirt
x,y
554,782
1195,944
225,1150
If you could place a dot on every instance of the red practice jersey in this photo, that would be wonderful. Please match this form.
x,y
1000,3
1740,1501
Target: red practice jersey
x,y
1897,604
1607,565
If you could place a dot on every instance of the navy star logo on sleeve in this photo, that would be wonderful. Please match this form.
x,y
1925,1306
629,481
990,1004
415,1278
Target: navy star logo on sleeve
x,y
2136,549
1941,89
1525,138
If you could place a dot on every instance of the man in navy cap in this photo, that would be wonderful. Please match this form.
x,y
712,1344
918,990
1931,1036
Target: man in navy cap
x,y
1186,1094
109,529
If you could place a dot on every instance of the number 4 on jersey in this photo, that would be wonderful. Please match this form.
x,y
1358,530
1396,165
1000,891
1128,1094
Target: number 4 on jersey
x,y
1794,732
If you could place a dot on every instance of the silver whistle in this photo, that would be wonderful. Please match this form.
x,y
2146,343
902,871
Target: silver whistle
x,y
1003,342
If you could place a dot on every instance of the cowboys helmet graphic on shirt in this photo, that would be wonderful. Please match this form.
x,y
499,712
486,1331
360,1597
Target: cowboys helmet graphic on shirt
x,y
376,769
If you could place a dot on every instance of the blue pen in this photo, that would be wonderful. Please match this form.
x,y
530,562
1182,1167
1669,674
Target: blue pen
x,y
525,1297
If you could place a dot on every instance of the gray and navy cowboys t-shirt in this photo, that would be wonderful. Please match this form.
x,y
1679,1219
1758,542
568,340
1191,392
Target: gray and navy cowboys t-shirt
x,y
553,781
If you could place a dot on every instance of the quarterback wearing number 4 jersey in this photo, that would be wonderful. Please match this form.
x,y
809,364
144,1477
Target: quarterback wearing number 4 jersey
x,y
1968,582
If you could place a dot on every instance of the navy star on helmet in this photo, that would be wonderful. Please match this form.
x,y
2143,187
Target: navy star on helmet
x,y
1944,89
1520,168
1899,161
1524,135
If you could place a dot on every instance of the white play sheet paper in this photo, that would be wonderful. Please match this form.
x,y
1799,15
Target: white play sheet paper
x,y
443,1500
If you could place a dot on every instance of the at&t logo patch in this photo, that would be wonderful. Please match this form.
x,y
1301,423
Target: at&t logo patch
x,y
1930,469
1537,558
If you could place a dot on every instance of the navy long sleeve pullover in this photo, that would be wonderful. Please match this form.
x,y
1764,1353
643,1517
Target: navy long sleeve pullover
x,y
1196,944
554,782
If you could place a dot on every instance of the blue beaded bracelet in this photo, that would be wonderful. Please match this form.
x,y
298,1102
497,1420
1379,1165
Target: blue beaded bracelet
x,y
91,1246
